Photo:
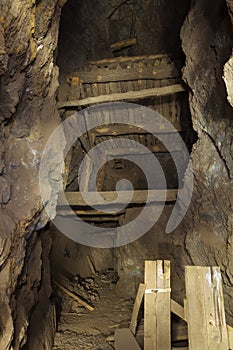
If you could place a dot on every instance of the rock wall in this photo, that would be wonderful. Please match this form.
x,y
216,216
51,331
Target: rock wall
x,y
28,40
29,80
207,43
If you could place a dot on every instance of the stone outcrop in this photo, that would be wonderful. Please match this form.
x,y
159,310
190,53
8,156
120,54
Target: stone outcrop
x,y
207,43
29,79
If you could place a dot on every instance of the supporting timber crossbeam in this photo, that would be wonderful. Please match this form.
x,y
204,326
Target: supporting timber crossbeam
x,y
123,96
139,197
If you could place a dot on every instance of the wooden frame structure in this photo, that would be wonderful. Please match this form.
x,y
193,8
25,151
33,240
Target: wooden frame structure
x,y
203,309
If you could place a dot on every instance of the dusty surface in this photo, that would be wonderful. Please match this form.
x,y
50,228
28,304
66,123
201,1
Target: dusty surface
x,y
90,329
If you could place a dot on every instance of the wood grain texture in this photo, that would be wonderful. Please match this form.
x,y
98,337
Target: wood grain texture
x,y
130,95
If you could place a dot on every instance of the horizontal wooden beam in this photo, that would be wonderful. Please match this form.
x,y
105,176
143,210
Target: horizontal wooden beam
x,y
139,197
122,130
106,75
130,96
132,59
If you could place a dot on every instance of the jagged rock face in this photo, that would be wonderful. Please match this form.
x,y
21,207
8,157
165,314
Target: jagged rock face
x,y
28,39
207,43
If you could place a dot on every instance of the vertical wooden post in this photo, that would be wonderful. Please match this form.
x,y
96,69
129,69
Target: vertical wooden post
x,y
205,309
157,313
136,308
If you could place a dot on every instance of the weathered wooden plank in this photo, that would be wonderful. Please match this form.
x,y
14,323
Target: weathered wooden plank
x,y
230,336
106,75
139,196
157,318
177,309
130,95
125,129
75,297
150,320
205,309
163,305
123,44
124,339
124,59
136,307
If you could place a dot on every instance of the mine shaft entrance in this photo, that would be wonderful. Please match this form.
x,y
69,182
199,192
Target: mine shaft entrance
x,y
114,51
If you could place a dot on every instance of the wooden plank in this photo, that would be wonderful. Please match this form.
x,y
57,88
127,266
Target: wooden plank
x,y
106,75
136,307
130,95
157,317
163,306
177,309
123,44
150,323
124,339
125,129
205,309
139,197
91,265
125,59
75,297
230,336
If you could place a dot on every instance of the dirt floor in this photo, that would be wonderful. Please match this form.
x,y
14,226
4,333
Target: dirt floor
x,y
79,328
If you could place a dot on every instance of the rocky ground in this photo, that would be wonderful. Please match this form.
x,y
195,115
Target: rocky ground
x,y
81,329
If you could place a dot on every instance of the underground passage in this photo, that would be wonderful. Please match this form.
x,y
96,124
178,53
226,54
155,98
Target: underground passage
x,y
116,173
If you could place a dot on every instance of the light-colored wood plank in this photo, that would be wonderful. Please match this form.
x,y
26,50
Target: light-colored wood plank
x,y
75,297
205,309
150,320
124,339
163,305
139,196
130,95
177,309
136,308
157,318
230,336
123,44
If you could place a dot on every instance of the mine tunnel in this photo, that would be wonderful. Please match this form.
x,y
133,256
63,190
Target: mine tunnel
x,y
116,175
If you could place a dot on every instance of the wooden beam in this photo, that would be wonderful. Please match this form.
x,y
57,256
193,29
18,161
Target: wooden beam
x,y
126,130
205,312
132,59
157,312
88,212
230,336
124,339
123,96
123,44
106,75
177,309
75,297
136,307
139,197
91,265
